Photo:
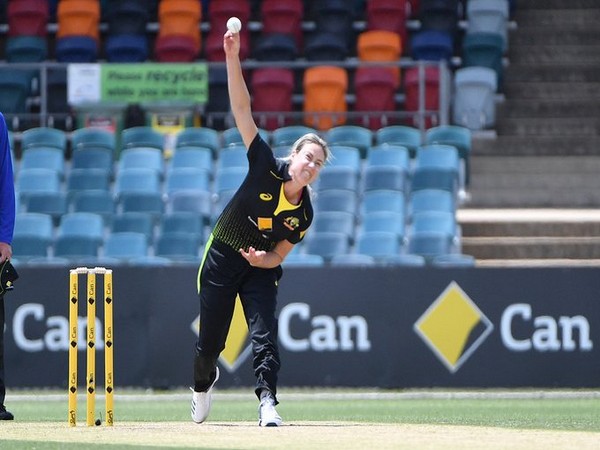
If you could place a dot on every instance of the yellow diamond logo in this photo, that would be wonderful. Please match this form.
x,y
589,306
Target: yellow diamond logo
x,y
453,327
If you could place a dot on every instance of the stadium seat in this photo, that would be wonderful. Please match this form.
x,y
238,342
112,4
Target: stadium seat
x,y
44,137
198,137
233,156
175,48
484,49
78,18
325,90
187,179
489,16
220,11
126,48
429,115
286,136
197,202
335,16
27,17
95,201
182,222
15,89
378,244
84,224
428,244
386,221
95,137
338,177
229,179
33,235
425,200
213,44
76,49
345,156
129,17
193,157
272,90
406,260
431,45
26,49
337,200
325,46
456,136
353,136
87,179
44,157
439,15
141,157
217,107
137,180
375,91
381,45
438,221
401,135
142,201
77,249
275,47
179,247
180,17
134,222
36,180
393,178
389,155
100,158
436,166
382,200
232,137
338,221
327,244
387,15
283,17
142,136
52,203
125,246
474,104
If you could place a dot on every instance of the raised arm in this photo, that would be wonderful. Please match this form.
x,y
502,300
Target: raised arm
x,y
239,96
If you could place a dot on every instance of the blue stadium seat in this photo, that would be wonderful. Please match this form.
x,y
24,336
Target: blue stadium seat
x,y
192,157
405,136
351,136
44,157
383,200
94,201
474,103
141,136
432,45
125,246
303,260
198,137
76,49
337,200
431,200
53,203
327,244
437,166
142,157
229,179
454,260
178,247
286,136
233,156
378,244
134,222
458,137
187,179
44,137
182,222
337,221
126,48
198,202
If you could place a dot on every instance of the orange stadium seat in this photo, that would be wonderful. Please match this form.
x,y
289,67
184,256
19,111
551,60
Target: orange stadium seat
x,y
78,18
325,90
180,17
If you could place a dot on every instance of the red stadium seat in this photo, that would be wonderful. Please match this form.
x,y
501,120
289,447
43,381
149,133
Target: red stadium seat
x,y
283,18
432,94
272,90
175,48
388,15
27,17
375,90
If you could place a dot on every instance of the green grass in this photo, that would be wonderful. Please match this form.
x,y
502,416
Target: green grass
x,y
581,414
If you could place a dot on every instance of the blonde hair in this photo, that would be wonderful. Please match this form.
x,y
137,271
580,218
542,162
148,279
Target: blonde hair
x,y
310,138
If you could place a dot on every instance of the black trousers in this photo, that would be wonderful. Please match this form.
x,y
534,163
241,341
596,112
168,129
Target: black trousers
x,y
2,383
224,274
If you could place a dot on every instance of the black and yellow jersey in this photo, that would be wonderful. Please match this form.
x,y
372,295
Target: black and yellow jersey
x,y
259,215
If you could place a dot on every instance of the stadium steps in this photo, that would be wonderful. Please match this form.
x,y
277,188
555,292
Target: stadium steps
x,y
542,235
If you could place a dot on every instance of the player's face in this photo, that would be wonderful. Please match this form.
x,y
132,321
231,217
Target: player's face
x,y
307,163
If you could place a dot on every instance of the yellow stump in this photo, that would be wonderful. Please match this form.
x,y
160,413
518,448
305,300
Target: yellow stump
x,y
108,346
91,350
73,323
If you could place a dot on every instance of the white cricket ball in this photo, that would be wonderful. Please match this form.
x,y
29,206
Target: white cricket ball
x,y
234,24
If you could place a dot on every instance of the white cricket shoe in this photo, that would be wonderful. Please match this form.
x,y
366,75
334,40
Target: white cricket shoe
x,y
267,415
201,402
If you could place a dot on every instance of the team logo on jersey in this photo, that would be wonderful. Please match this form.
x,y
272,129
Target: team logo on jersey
x,y
291,222
265,224
265,197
